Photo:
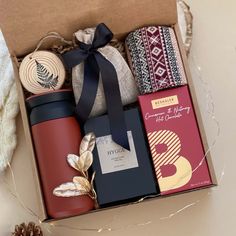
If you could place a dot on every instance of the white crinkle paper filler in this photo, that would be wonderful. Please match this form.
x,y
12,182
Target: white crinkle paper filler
x,y
8,107
185,19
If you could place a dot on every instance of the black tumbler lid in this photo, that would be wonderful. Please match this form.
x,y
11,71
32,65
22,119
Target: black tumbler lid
x,y
44,98
51,105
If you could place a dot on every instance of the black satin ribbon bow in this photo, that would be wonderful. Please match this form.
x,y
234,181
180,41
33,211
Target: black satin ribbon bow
x,y
94,64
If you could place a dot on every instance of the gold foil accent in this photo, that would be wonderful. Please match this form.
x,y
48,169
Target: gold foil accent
x,y
73,161
87,143
70,189
81,184
170,157
165,102
81,163
79,180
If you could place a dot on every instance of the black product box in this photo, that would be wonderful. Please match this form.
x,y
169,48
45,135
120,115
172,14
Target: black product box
x,y
121,176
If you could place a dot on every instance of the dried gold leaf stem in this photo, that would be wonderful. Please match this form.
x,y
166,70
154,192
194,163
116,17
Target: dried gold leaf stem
x,y
85,174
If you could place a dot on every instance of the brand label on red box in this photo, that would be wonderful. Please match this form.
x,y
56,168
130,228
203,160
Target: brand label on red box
x,y
165,102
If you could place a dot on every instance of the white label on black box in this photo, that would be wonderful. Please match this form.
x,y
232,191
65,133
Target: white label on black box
x,y
113,157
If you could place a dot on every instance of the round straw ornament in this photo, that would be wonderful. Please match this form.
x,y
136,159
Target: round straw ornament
x,y
42,71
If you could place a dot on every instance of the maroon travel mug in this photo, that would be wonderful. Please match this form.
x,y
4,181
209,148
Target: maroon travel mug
x,y
56,133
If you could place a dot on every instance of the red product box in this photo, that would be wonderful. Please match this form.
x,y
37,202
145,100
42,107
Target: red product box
x,y
174,140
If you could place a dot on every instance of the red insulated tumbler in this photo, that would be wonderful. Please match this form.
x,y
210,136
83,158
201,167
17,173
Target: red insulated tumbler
x,y
56,133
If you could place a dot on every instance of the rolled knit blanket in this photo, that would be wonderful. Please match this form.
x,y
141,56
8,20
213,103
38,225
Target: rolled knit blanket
x,y
8,107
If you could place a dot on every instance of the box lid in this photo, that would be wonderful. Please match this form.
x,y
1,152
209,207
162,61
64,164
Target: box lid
x,y
24,22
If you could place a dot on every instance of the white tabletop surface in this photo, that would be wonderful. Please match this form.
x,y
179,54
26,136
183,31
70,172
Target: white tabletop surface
x,y
207,212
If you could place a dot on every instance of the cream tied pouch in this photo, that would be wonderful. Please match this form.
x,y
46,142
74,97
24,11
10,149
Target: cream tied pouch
x,y
128,87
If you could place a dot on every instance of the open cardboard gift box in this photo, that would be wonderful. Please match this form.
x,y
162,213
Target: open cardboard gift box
x,y
24,22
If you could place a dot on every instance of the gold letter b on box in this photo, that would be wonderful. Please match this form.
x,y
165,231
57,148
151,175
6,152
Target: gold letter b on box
x,y
170,157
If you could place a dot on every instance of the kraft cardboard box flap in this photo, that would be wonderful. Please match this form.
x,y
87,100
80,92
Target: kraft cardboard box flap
x,y
24,22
